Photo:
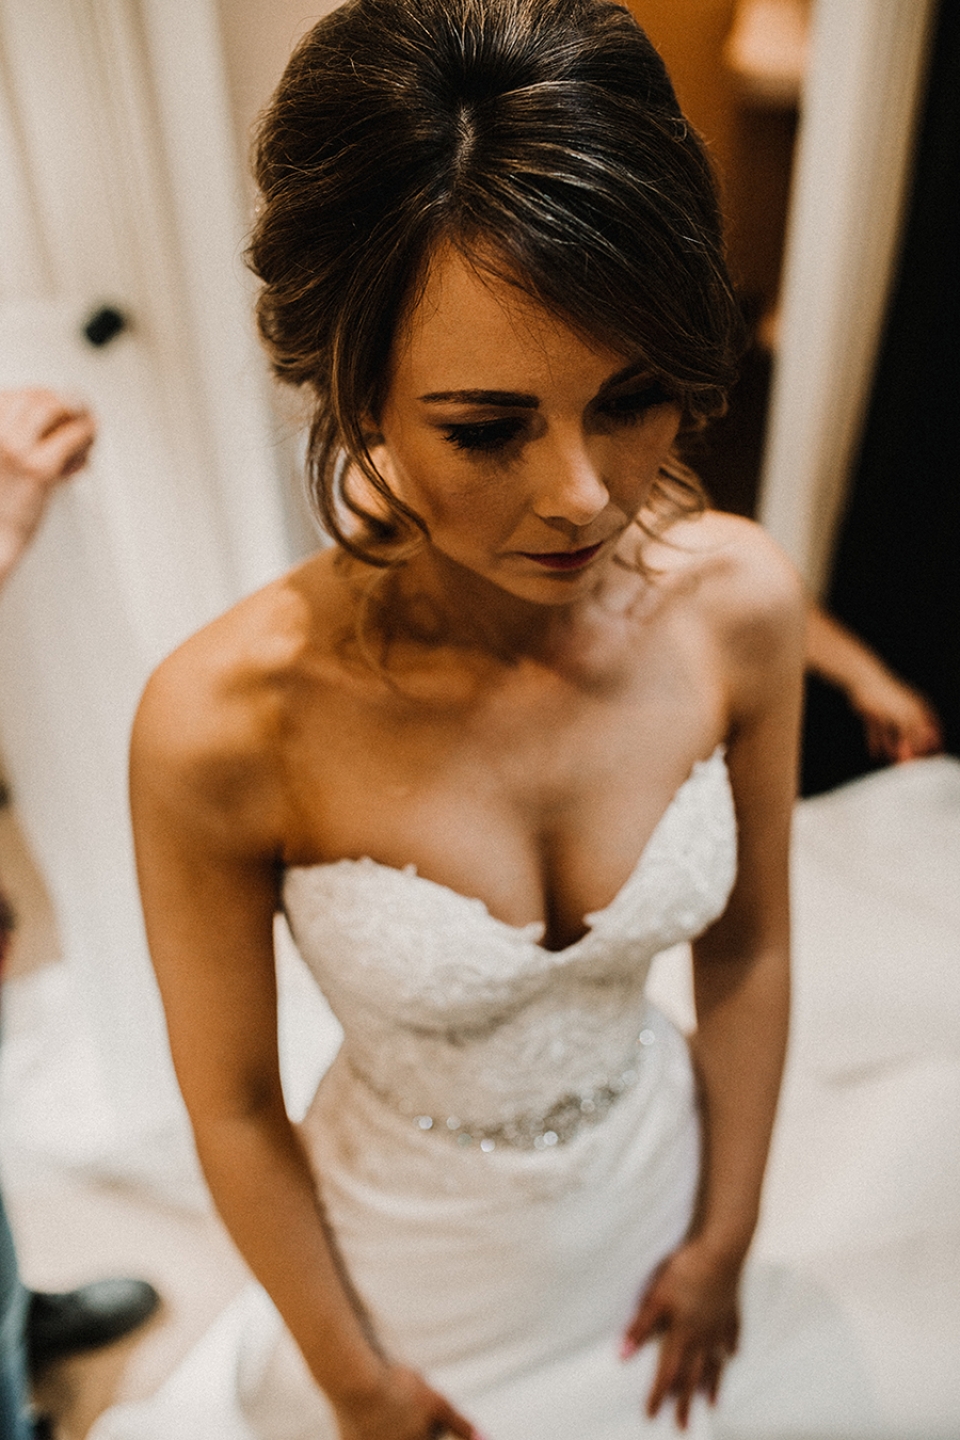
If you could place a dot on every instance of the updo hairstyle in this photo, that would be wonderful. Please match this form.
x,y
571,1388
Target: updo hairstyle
x,y
543,140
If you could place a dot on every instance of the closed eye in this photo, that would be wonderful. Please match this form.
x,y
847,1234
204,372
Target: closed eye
x,y
634,404
485,436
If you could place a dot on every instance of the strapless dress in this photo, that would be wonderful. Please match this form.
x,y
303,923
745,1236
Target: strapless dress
x,y
506,1144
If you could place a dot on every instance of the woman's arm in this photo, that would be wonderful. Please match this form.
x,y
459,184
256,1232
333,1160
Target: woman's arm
x,y
206,820
741,983
899,722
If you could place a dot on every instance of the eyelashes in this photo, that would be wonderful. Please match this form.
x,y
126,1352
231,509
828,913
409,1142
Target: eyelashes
x,y
484,436
487,437
635,403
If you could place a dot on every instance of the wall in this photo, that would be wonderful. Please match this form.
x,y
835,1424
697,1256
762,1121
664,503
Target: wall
x,y
258,37
690,35
751,145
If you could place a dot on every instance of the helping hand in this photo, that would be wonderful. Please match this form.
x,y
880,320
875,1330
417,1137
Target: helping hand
x,y
691,1304
43,440
403,1408
900,723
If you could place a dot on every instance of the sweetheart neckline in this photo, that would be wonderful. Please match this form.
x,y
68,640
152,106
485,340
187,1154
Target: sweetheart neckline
x,y
410,872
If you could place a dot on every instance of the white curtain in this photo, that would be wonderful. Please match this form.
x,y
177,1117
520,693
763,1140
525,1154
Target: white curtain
x,y
852,175
115,128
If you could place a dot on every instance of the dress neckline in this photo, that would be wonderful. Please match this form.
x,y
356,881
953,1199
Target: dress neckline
x,y
533,930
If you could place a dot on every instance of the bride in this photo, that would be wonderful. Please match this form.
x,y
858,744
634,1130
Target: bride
x,y
529,721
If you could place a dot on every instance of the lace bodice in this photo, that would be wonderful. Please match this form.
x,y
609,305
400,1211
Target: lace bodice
x,y
464,1022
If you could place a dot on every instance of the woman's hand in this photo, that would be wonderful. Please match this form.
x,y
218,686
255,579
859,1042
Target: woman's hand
x,y
43,440
691,1304
403,1408
900,723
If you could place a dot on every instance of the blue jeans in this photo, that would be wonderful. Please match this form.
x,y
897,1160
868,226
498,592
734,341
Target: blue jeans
x,y
15,1420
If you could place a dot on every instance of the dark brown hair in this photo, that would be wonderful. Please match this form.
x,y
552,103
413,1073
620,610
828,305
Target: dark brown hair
x,y
544,133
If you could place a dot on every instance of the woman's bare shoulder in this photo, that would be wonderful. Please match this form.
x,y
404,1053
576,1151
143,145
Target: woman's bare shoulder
x,y
746,583
213,715
736,591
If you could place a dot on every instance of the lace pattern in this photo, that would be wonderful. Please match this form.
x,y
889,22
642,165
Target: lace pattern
x,y
561,1122
467,1025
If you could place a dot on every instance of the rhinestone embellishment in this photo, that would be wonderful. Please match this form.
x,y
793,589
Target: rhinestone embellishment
x,y
561,1122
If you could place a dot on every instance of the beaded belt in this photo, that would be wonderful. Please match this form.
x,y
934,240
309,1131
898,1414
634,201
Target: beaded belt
x,y
541,1132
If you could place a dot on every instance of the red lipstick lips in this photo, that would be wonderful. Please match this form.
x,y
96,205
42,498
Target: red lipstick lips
x,y
563,559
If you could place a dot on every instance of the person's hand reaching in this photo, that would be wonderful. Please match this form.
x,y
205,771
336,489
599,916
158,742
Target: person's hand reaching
x,y
44,439
900,723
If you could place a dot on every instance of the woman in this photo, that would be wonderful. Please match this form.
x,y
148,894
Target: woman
x,y
486,750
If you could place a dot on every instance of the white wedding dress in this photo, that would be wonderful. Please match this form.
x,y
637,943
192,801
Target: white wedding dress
x,y
507,1143
509,1272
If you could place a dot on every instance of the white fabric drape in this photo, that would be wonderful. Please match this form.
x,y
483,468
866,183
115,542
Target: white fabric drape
x,y
115,128
852,174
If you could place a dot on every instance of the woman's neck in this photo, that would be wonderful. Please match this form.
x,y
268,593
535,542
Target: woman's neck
x,y
433,603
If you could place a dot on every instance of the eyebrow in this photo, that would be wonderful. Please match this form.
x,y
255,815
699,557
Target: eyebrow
x,y
517,399
484,397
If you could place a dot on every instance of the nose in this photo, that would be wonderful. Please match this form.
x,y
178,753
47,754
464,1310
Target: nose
x,y
567,484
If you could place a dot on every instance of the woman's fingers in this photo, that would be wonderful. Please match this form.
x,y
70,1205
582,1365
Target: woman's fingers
x,y
710,1376
64,450
651,1318
878,745
686,1367
668,1372
43,435
688,1383
451,1422
900,723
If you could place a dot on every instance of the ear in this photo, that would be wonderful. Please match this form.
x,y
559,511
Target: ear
x,y
380,456
372,434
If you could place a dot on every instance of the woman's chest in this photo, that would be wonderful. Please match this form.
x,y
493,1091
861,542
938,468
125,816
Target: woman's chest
x,y
403,942
535,799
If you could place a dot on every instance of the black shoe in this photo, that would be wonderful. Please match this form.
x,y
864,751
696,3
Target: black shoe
x,y
85,1319
43,1428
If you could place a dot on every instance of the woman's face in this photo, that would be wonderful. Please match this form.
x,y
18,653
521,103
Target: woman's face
x,y
526,449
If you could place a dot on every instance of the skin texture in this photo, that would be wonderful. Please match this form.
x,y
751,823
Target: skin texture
x,y
44,439
522,733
